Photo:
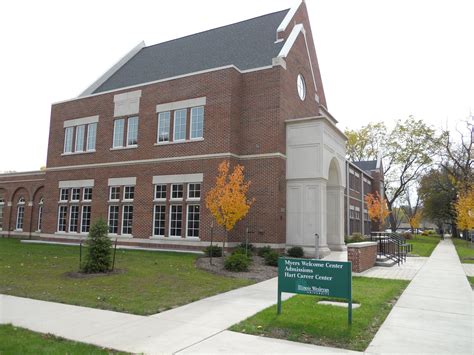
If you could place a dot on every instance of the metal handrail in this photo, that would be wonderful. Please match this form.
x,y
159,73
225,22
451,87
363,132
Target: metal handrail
x,y
391,245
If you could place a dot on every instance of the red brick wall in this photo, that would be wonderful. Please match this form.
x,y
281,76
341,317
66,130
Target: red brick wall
x,y
362,258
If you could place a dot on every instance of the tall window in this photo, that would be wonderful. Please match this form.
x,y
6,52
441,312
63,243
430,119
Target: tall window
x,y
2,204
113,219
80,130
132,131
40,215
197,122
164,127
91,136
193,221
179,128
68,136
86,219
62,218
176,220
74,219
127,219
159,220
20,213
119,126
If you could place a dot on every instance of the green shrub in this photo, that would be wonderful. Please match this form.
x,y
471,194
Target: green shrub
x,y
237,262
295,252
99,253
214,251
271,258
356,238
264,250
250,247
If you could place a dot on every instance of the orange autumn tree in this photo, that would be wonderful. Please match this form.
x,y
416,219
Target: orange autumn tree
x,y
377,208
464,207
227,200
415,221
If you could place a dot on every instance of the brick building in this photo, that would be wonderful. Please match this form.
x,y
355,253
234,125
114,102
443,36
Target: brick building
x,y
140,147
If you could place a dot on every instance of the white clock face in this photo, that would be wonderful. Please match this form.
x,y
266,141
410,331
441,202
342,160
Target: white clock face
x,y
301,86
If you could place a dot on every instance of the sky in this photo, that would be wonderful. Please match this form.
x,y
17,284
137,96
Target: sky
x,y
380,60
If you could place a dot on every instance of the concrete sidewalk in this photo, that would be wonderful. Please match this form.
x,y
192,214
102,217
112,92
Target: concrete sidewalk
x,y
434,315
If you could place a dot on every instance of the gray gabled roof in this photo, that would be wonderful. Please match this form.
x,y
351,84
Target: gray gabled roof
x,y
367,165
248,44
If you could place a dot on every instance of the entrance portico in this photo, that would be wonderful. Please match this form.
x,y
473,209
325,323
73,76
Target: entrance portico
x,y
315,185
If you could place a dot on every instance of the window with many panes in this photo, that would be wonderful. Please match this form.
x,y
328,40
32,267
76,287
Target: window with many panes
x,y
75,194
194,191
113,219
62,218
159,220
163,127
127,219
193,221
64,195
176,220
2,204
128,193
87,194
176,191
114,194
179,128
160,192
197,122
86,219
74,219
20,213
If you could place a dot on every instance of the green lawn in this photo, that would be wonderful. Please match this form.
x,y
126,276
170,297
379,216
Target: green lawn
x,y
150,282
464,249
14,341
423,245
471,280
303,320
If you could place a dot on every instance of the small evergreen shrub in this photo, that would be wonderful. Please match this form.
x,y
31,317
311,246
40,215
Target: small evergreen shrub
x,y
271,258
214,251
250,247
99,253
356,238
295,252
264,250
237,262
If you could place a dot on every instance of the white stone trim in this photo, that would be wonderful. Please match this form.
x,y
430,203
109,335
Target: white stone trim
x,y
128,95
103,78
127,103
177,105
25,173
81,121
122,181
172,179
15,181
75,183
291,40
286,21
173,159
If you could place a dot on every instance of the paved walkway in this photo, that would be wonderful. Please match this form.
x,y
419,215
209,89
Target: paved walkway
x,y
468,269
434,313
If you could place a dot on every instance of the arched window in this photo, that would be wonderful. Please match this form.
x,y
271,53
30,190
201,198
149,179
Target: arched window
x,y
40,214
20,213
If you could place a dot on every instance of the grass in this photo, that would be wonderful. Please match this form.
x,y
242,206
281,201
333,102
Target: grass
x,y
151,282
471,280
15,341
423,245
305,321
464,249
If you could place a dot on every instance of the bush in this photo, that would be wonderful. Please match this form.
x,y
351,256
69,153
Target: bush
x,y
237,262
214,251
99,253
407,235
271,258
250,247
240,249
264,250
295,252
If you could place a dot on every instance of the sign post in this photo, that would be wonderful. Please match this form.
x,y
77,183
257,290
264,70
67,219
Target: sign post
x,y
316,277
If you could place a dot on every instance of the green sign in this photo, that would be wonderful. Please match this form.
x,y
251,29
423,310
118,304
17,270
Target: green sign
x,y
315,277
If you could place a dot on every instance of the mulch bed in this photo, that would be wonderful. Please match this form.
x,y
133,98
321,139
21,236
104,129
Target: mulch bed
x,y
258,271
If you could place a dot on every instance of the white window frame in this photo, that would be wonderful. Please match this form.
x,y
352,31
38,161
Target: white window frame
x,y
164,116
187,220
124,192
176,113
117,141
194,117
20,206
123,220
65,218
68,140
80,133
2,204
118,219
176,198
170,221
135,131
154,220
72,194
84,194
110,194
189,198
70,218
91,137
160,198
82,218
61,194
